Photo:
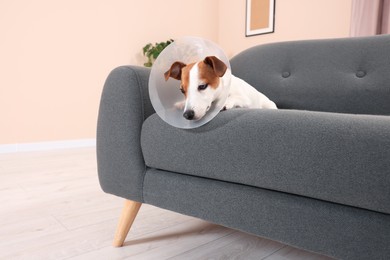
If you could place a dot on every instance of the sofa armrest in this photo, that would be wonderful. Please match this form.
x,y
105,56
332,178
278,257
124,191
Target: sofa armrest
x,y
124,106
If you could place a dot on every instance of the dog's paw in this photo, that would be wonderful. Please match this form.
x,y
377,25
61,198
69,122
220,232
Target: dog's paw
x,y
180,105
229,104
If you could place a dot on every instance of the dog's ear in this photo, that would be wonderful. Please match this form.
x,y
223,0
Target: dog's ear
x,y
218,66
174,71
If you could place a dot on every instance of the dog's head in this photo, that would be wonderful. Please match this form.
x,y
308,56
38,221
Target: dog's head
x,y
200,84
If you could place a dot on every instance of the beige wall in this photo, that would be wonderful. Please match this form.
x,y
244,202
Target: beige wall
x,y
55,55
294,20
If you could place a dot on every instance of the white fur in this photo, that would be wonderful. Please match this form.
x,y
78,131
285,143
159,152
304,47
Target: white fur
x,y
241,95
199,101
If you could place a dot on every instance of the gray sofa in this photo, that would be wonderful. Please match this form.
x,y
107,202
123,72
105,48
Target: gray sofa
x,y
314,174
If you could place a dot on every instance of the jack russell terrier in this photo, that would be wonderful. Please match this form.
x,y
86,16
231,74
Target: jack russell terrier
x,y
201,85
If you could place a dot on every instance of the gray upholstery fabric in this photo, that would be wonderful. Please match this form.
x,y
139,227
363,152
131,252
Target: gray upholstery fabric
x,y
350,75
123,108
341,158
288,175
339,231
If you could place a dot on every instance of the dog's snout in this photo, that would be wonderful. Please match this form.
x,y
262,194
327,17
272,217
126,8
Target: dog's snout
x,y
189,114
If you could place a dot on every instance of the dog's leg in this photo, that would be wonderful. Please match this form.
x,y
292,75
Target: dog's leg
x,y
268,104
235,102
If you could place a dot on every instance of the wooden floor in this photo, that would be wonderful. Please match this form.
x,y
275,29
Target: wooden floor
x,y
52,207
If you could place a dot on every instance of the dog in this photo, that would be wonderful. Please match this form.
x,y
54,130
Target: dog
x,y
202,84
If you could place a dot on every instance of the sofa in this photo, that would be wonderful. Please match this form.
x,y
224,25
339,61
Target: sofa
x,y
314,174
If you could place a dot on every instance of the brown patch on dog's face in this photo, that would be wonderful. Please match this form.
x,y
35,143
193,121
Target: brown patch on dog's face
x,y
209,72
185,78
199,83
207,75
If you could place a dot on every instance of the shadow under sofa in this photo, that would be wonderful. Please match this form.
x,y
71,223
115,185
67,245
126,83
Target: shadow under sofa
x,y
314,174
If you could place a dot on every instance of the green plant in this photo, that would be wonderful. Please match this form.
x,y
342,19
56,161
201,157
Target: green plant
x,y
151,51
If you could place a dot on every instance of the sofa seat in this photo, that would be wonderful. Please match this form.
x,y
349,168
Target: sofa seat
x,y
341,158
314,180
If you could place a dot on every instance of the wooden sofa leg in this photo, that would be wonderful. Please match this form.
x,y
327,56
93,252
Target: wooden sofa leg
x,y
126,219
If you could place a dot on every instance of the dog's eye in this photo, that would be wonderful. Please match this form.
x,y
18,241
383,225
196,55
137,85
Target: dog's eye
x,y
203,86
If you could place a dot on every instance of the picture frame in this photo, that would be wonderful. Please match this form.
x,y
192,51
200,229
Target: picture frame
x,y
260,17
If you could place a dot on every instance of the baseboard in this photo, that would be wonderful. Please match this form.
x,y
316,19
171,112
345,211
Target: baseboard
x,y
46,146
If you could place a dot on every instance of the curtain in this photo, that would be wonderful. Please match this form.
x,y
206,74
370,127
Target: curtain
x,y
370,17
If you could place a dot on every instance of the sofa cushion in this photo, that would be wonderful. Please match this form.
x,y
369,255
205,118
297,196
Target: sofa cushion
x,y
341,158
348,75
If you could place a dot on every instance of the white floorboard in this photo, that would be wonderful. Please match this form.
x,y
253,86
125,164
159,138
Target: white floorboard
x,y
52,207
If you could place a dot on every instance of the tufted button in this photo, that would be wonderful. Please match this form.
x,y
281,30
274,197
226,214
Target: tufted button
x,y
286,74
360,74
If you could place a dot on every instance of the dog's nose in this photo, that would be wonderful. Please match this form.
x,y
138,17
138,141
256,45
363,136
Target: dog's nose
x,y
189,114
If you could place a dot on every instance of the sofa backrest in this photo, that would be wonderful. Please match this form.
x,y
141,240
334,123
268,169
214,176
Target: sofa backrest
x,y
348,75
